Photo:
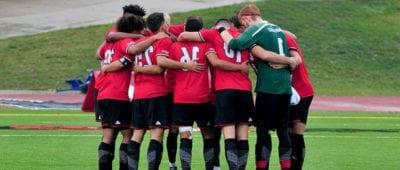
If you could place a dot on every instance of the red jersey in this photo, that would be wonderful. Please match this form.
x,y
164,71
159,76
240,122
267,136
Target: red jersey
x,y
191,87
151,85
300,79
114,85
176,29
170,80
224,79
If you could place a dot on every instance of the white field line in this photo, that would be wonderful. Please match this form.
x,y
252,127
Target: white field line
x,y
307,136
91,114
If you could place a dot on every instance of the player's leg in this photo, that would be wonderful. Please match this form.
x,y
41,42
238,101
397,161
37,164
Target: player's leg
x,y
245,109
106,149
208,134
107,146
157,120
185,148
172,146
263,113
204,117
282,131
217,148
155,150
298,117
123,118
231,152
225,118
242,144
172,138
123,149
139,125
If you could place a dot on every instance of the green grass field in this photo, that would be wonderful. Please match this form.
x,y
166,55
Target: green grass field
x,y
334,141
347,44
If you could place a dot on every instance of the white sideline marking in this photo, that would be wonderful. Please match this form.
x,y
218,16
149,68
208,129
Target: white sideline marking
x,y
307,136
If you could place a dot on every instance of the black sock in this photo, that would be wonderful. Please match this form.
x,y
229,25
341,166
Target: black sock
x,y
298,151
208,153
243,152
172,145
105,156
133,155
285,150
263,149
154,154
185,153
217,147
231,153
123,156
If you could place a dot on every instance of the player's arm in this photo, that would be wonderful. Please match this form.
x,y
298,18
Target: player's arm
x,y
142,46
273,57
148,69
116,65
244,41
115,36
190,36
165,62
225,65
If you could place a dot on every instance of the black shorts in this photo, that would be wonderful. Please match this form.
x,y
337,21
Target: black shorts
x,y
233,107
150,113
115,114
170,106
187,114
299,112
272,111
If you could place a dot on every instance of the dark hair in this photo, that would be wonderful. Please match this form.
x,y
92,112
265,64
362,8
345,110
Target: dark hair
x,y
194,24
129,23
134,9
235,21
154,21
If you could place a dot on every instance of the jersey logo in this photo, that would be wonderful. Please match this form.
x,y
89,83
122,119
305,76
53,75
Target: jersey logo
x,y
117,122
158,123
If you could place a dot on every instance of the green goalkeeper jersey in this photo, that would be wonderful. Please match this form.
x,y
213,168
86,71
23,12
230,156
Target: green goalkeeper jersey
x,y
271,38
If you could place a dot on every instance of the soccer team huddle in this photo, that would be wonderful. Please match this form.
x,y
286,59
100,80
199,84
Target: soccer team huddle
x,y
184,74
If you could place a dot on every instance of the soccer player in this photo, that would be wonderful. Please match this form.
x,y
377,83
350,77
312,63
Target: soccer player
x,y
273,85
192,95
233,92
298,113
234,101
113,101
150,95
174,31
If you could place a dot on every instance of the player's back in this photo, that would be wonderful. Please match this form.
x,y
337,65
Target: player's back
x,y
151,85
190,86
114,84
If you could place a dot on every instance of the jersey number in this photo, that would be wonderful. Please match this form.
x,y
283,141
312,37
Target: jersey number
x,y
108,56
233,54
147,53
186,57
280,46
